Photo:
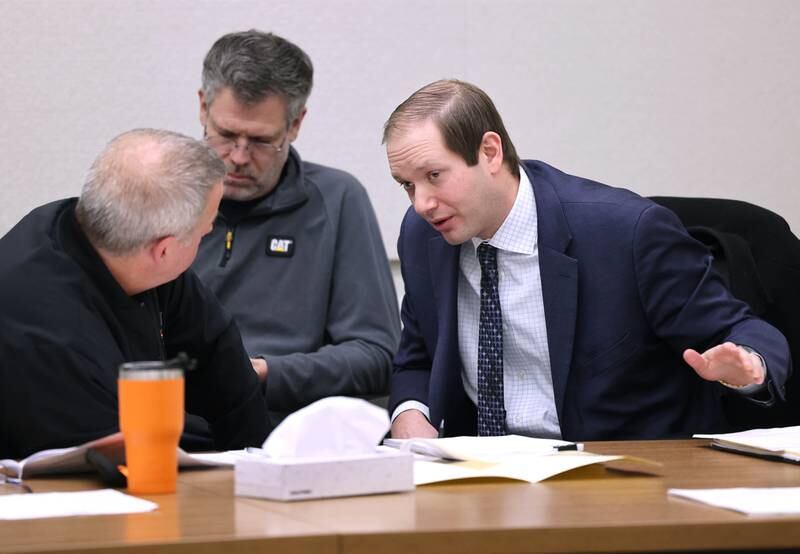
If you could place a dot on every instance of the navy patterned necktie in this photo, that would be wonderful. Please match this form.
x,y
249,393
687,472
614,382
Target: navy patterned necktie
x,y
491,405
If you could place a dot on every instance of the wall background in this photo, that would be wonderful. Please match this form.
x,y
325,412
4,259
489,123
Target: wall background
x,y
677,97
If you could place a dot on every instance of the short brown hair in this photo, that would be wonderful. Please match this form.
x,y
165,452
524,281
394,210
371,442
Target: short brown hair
x,y
255,65
462,112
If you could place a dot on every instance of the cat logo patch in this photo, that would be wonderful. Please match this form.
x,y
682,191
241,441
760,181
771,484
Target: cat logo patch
x,y
282,247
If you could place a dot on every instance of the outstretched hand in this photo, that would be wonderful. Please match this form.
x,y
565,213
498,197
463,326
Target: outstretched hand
x,y
728,363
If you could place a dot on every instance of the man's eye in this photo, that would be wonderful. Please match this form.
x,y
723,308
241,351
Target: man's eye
x,y
433,175
406,185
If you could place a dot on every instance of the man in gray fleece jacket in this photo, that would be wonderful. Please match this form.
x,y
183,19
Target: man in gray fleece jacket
x,y
296,254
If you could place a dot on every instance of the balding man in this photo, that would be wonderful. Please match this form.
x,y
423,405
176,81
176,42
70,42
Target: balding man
x,y
87,284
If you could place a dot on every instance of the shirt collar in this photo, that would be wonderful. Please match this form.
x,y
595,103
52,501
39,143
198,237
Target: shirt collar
x,y
520,228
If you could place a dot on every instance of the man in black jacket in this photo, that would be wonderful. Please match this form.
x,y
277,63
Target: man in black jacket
x,y
87,284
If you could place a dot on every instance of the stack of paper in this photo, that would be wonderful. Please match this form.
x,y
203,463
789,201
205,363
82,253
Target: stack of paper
x,y
112,448
488,449
505,457
780,443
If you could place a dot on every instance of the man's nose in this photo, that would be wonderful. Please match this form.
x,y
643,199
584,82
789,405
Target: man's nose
x,y
424,202
240,154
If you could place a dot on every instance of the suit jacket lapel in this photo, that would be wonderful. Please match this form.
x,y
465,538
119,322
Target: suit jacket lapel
x,y
559,273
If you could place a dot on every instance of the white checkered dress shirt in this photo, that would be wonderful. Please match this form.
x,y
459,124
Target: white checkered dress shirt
x,y
528,383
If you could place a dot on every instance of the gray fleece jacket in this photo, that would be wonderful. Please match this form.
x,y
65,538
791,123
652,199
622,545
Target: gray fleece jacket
x,y
305,275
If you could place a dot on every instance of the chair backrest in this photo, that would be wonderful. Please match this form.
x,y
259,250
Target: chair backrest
x,y
758,256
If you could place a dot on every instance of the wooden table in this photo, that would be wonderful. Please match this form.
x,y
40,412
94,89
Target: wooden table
x,y
615,512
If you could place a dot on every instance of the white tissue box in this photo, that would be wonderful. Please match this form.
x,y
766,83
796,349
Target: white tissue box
x,y
306,478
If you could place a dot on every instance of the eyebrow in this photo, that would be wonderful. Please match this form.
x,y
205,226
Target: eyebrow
x,y
426,165
224,130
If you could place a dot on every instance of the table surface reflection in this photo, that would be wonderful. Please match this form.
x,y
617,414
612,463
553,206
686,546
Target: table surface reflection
x,y
599,511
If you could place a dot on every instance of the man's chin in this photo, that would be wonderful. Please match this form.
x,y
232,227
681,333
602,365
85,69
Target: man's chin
x,y
238,192
242,190
451,233
454,238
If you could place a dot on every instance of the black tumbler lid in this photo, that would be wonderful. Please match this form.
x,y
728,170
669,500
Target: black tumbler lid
x,y
160,369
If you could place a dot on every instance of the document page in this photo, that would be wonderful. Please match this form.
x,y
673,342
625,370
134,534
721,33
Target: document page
x,y
112,447
491,449
783,442
531,468
751,501
60,504
64,460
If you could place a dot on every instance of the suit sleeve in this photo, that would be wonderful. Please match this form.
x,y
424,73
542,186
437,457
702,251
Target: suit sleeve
x,y
686,301
362,327
412,363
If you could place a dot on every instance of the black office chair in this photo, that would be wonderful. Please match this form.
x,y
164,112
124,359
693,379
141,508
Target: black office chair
x,y
758,256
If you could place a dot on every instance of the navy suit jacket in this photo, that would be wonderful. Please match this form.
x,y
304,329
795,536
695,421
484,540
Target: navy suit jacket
x,y
625,291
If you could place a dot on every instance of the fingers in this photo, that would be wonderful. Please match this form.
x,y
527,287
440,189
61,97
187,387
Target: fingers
x,y
726,362
695,360
260,367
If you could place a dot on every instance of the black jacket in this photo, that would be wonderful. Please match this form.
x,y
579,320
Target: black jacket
x,y
758,257
66,325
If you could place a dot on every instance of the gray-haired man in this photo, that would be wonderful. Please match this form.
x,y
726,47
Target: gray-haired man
x,y
296,254
87,284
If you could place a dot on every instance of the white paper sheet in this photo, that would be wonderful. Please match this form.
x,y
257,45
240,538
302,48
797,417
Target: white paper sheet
x,y
751,501
73,459
60,504
227,458
781,441
487,449
530,468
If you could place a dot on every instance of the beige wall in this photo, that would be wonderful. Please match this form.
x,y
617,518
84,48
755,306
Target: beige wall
x,y
695,97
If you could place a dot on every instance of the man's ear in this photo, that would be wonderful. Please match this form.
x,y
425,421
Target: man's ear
x,y
491,150
294,126
203,108
160,249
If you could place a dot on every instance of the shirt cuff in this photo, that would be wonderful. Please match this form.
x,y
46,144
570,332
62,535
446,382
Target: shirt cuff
x,y
411,405
753,388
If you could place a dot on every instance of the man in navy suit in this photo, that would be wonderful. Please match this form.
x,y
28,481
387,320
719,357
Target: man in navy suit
x,y
544,304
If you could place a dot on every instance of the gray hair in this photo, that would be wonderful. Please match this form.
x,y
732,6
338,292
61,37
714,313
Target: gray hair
x,y
146,184
254,65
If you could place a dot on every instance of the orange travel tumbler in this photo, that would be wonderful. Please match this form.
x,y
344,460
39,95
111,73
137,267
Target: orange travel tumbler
x,y
151,421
